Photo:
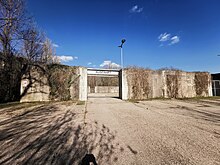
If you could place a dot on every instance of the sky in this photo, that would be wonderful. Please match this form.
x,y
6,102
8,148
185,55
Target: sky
x,y
183,34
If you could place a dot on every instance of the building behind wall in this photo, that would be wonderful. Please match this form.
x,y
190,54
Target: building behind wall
x,y
216,84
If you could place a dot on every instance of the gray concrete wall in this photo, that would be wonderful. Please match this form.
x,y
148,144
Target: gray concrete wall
x,y
158,88
187,87
105,89
158,85
35,86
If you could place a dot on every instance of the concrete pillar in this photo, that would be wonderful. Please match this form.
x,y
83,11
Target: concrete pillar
x,y
123,85
210,93
83,84
164,81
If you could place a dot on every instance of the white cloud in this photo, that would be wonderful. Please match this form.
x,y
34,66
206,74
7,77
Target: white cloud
x,y
164,37
114,65
105,63
66,58
110,64
89,63
174,40
168,39
136,9
55,45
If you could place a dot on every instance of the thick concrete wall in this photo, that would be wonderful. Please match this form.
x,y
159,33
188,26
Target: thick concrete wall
x,y
104,89
186,84
160,86
35,86
187,87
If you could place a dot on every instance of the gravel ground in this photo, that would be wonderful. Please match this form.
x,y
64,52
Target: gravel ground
x,y
161,131
115,131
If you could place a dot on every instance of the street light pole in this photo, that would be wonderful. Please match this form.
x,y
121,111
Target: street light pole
x,y
121,47
121,57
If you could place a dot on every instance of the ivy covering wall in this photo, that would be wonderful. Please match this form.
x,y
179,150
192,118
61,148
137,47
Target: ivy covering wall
x,y
53,82
168,83
61,78
139,83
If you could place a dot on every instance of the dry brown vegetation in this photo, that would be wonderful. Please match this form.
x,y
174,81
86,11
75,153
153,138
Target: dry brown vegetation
x,y
201,83
61,78
102,81
138,82
173,84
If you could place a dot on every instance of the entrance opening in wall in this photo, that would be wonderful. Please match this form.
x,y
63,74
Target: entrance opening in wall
x,y
103,83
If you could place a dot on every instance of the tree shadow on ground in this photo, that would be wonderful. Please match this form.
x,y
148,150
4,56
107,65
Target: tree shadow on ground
x,y
213,117
50,135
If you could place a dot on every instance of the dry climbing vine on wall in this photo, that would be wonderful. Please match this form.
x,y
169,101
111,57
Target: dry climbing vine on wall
x,y
60,79
102,81
138,82
173,84
201,83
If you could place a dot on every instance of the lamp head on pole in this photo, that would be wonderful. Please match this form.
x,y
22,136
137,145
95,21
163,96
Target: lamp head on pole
x,y
122,42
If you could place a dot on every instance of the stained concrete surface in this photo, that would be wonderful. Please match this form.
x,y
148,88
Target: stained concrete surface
x,y
114,131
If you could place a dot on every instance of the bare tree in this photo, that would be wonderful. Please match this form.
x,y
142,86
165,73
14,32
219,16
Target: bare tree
x,y
12,22
19,36
33,44
48,55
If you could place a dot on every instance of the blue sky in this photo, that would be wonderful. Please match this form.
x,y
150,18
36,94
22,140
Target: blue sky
x,y
184,34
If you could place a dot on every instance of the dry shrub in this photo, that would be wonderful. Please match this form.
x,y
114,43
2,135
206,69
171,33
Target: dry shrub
x,y
173,83
102,81
138,82
60,80
201,83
